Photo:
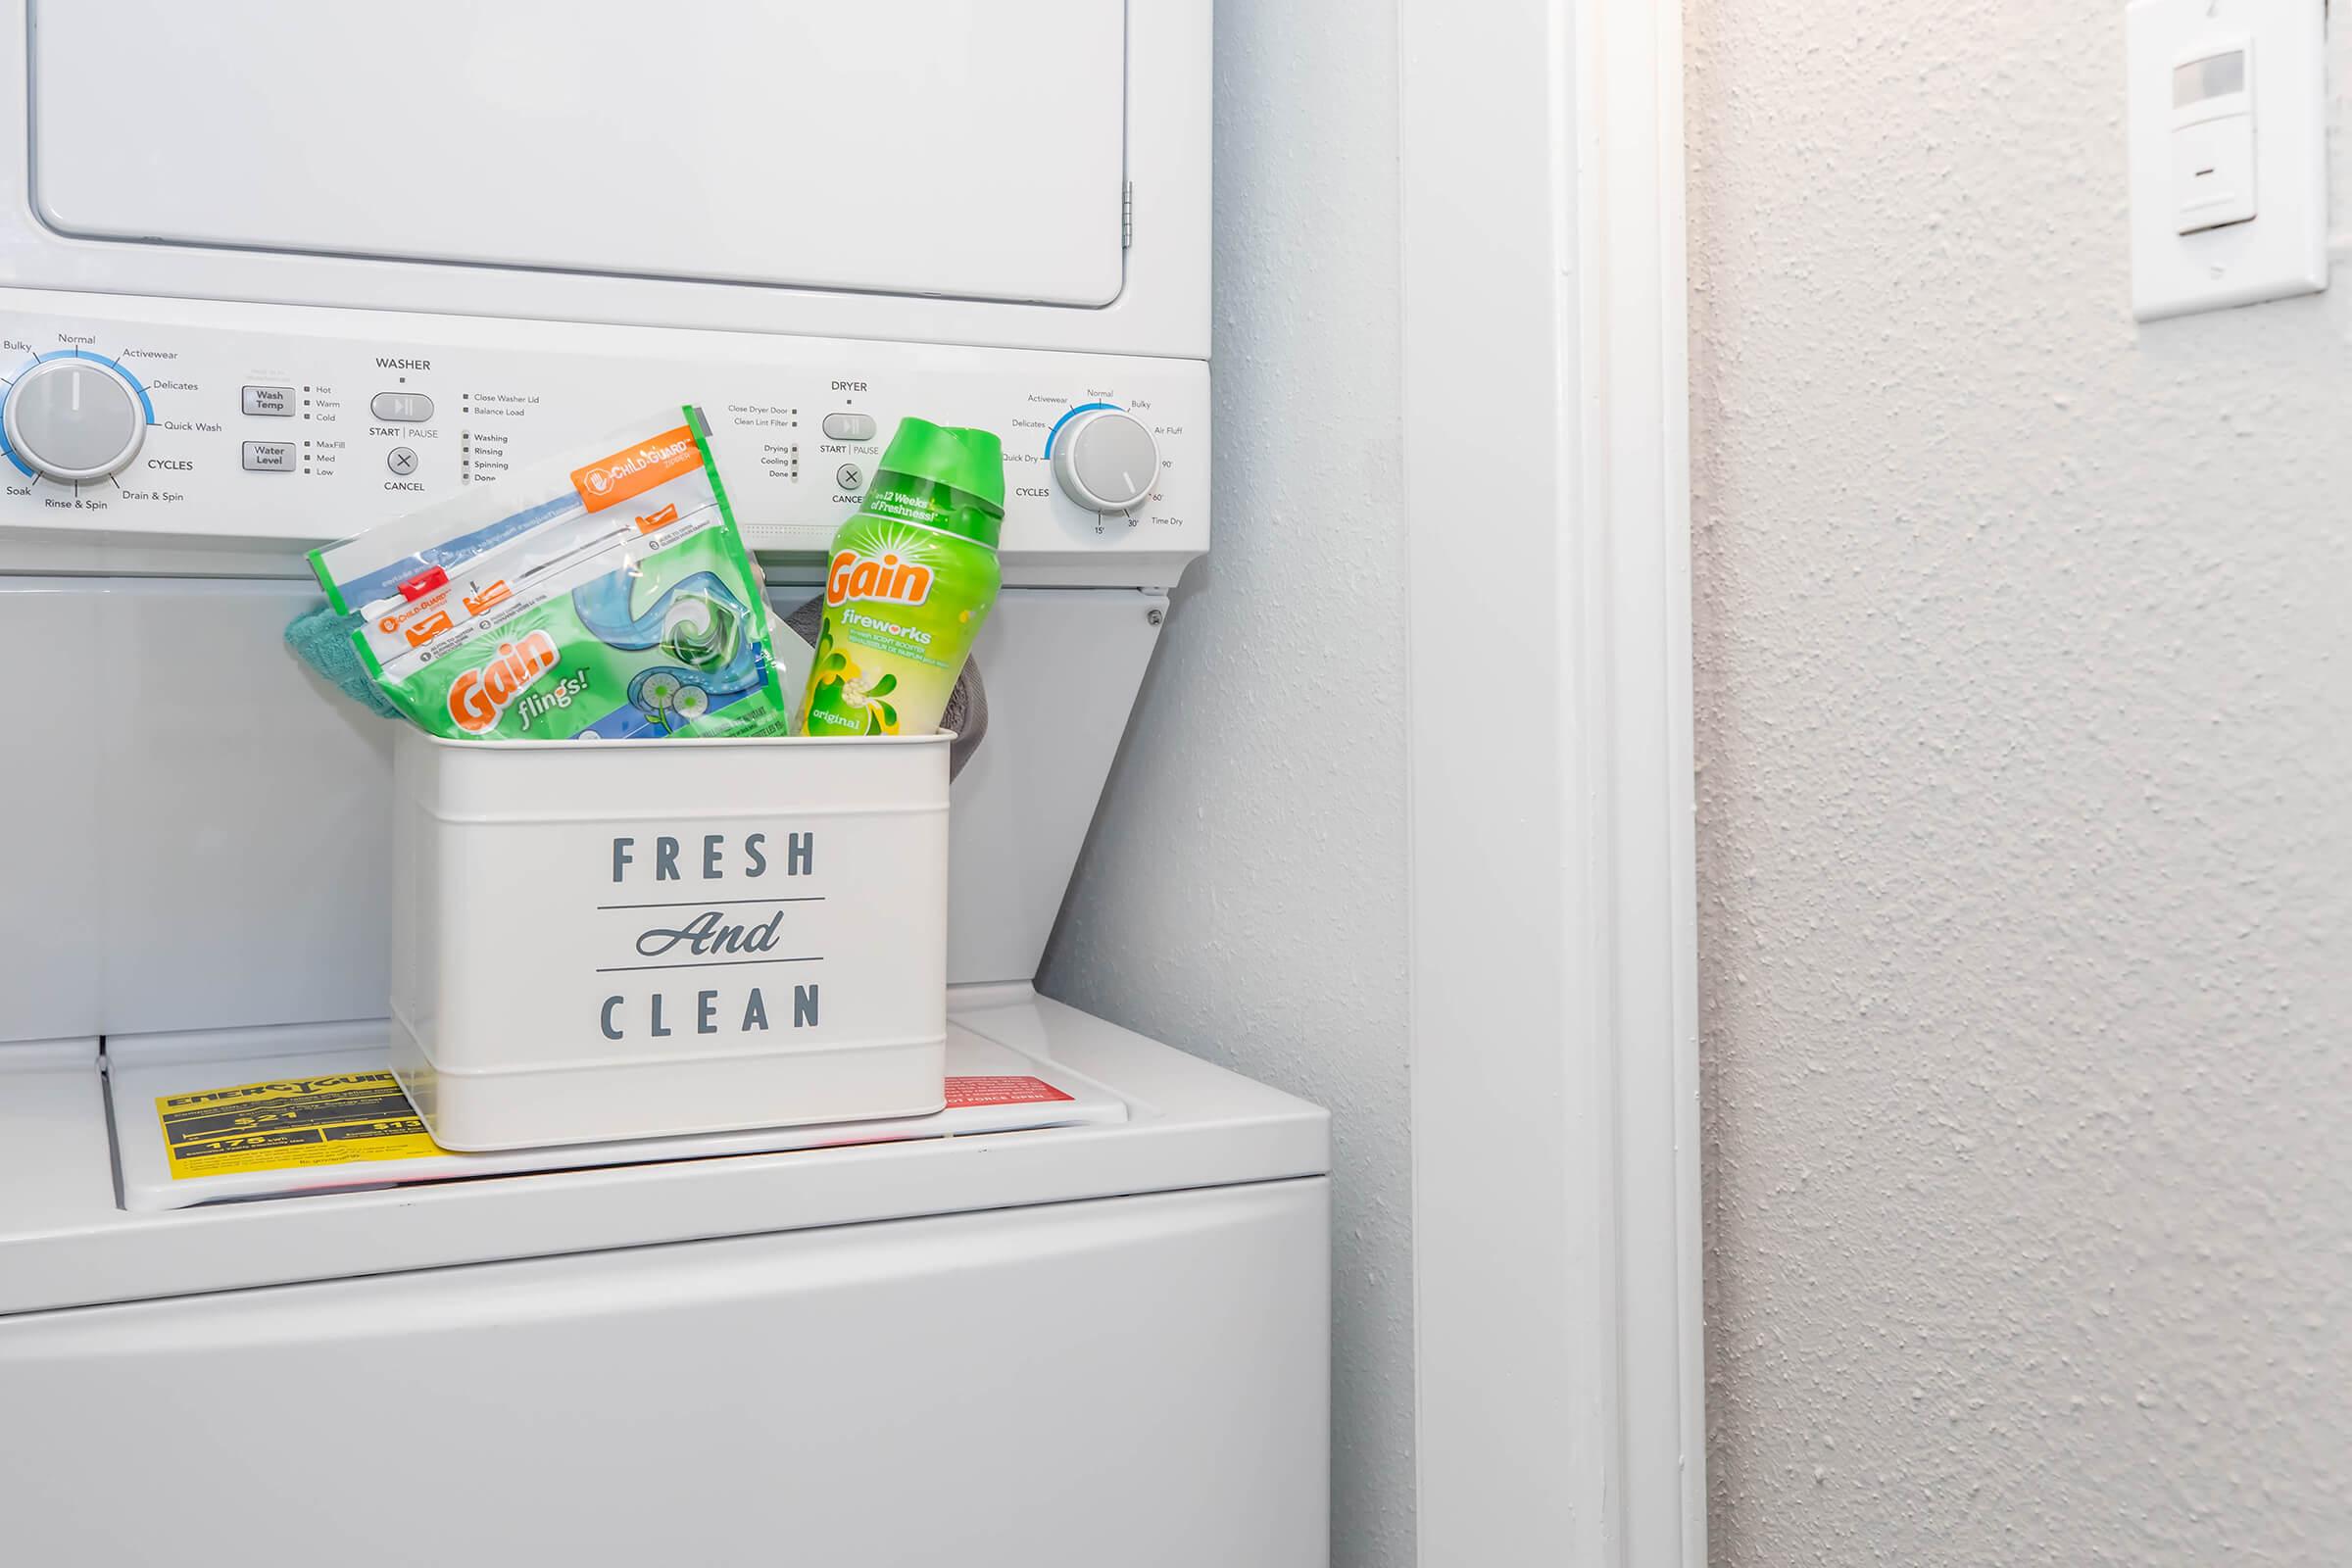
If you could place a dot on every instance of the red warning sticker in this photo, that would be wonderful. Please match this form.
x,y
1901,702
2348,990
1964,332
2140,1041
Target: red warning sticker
x,y
1008,1090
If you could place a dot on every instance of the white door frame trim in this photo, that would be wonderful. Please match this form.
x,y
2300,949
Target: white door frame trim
x,y
1554,998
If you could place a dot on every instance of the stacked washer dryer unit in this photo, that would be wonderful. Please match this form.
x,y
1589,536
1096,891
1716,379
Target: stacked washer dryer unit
x,y
237,316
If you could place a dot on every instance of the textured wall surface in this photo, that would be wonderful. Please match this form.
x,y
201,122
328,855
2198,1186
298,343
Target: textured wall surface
x,y
2025,665
1243,895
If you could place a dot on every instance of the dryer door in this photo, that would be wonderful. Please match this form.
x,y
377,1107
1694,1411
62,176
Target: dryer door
x,y
1029,174
938,147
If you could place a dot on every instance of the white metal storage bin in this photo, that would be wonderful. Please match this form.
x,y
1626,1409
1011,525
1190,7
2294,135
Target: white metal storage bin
x,y
628,939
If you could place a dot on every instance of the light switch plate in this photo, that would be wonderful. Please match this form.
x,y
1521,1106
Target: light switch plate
x,y
2282,249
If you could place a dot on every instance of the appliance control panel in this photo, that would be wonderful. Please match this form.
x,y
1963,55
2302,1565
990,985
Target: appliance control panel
x,y
200,435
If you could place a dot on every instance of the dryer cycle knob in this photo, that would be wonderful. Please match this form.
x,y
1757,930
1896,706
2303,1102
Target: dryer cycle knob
x,y
1105,460
73,417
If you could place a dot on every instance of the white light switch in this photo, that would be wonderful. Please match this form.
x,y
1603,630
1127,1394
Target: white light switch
x,y
2229,171
2213,135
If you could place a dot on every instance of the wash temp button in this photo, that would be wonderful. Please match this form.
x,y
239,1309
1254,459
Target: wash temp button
x,y
269,457
277,402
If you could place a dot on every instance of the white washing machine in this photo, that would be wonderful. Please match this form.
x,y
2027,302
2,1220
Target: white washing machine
x,y
1082,1344
300,273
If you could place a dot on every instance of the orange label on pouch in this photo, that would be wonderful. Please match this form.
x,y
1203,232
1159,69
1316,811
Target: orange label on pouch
x,y
429,613
654,521
635,469
476,603
425,628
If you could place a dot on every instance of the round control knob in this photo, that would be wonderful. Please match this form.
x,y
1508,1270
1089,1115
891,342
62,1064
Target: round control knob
x,y
74,418
1105,460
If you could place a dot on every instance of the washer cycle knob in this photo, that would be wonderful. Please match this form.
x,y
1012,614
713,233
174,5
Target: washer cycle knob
x,y
73,417
1105,460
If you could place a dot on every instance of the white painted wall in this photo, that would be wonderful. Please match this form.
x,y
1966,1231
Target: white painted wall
x,y
2024,736
1244,892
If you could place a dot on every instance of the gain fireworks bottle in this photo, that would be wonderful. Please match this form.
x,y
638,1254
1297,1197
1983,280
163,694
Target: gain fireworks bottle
x,y
907,583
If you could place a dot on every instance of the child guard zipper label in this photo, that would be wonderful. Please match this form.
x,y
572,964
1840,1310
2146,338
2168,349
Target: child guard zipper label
x,y
636,468
289,1123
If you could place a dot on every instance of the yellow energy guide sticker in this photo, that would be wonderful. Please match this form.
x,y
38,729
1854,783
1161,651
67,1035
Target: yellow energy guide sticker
x,y
288,1123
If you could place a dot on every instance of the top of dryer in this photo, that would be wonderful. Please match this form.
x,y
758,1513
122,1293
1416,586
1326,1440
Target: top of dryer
x,y
941,171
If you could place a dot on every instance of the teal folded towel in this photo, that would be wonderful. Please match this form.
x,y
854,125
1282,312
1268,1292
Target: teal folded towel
x,y
323,640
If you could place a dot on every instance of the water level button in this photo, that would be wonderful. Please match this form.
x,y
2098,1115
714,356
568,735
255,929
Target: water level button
x,y
269,457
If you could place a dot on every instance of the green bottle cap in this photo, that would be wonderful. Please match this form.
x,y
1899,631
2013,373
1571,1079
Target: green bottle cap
x,y
971,462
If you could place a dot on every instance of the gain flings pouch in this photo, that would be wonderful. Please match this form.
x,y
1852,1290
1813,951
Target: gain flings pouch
x,y
612,600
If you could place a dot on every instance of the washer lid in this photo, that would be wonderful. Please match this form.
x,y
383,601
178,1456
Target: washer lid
x,y
67,1240
204,1128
